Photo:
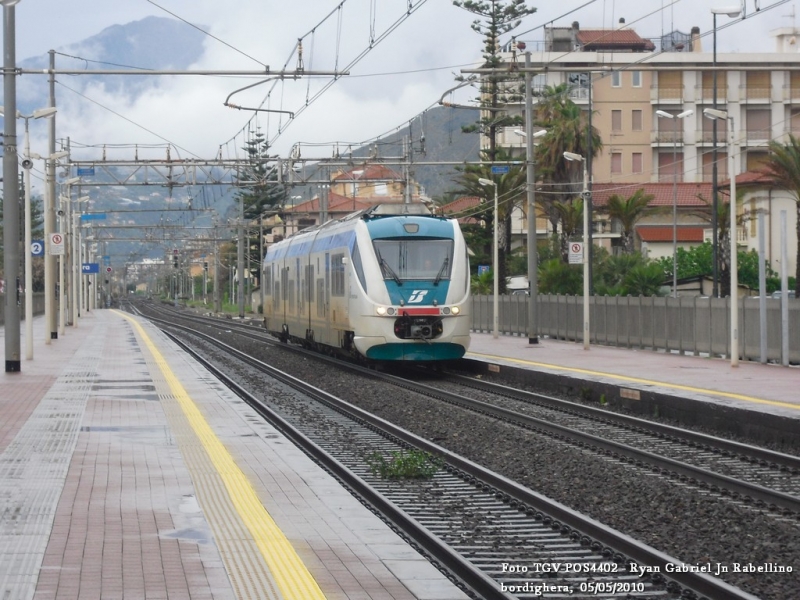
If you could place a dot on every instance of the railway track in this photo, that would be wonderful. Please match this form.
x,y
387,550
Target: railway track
x,y
497,538
744,473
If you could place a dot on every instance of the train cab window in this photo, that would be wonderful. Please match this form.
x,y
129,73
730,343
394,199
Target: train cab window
x,y
415,259
359,268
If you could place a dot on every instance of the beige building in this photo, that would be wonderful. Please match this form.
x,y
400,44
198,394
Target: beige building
x,y
630,87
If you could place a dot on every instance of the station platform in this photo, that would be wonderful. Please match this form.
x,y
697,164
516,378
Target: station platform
x,y
127,471
753,399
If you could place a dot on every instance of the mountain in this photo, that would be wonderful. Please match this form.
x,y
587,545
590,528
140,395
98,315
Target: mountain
x,y
151,43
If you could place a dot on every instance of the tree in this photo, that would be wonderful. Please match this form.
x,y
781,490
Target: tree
x,y
628,211
496,18
510,191
783,166
260,191
570,215
567,131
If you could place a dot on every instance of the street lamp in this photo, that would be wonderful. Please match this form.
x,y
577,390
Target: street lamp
x,y
732,12
26,166
533,274
495,260
571,156
723,114
666,115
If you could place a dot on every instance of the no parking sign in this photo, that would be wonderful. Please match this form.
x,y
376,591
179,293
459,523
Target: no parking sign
x,y
575,253
56,244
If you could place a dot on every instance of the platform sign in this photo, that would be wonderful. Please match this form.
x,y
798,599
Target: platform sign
x,y
575,253
37,248
499,169
56,244
93,217
85,171
89,268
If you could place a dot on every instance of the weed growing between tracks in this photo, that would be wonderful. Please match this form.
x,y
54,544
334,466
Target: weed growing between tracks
x,y
411,464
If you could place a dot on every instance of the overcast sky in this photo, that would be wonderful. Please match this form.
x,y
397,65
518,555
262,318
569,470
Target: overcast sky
x,y
402,76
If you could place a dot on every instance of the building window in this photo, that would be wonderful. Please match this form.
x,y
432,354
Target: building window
x,y
708,166
758,123
636,78
616,163
616,79
636,120
616,120
669,165
636,162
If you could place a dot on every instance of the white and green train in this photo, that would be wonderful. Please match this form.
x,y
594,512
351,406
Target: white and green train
x,y
383,287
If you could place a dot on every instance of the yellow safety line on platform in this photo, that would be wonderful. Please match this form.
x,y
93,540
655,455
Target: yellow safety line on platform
x,y
676,386
290,573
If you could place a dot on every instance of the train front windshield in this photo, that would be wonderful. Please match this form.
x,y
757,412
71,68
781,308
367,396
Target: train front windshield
x,y
415,259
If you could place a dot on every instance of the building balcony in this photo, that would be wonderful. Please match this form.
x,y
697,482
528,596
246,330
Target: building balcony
x,y
757,136
706,136
660,94
705,94
755,94
666,137
791,94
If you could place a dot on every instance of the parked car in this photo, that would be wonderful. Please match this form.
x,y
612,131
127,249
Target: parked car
x,y
777,294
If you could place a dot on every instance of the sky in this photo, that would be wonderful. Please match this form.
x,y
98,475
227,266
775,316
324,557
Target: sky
x,y
403,75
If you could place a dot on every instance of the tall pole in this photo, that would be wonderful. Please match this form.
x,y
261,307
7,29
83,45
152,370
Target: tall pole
x,y
10,192
27,248
586,255
533,275
734,254
714,182
51,328
495,270
240,259
675,208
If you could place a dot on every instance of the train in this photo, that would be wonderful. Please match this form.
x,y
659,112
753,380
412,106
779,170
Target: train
x,y
384,284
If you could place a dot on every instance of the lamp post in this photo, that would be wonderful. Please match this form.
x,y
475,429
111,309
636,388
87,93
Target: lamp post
x,y
732,12
533,259
723,114
571,156
666,115
495,261
10,191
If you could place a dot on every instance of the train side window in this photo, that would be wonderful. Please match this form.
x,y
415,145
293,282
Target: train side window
x,y
268,280
321,297
284,282
337,275
309,283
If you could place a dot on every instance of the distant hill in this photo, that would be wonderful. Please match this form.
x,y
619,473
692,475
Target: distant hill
x,y
151,43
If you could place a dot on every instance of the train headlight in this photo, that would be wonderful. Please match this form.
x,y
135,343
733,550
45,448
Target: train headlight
x,y
381,310
456,310
446,310
390,311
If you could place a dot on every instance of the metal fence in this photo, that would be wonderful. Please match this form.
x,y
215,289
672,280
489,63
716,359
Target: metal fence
x,y
38,306
691,325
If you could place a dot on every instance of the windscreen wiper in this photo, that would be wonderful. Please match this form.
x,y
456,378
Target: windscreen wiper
x,y
441,272
387,269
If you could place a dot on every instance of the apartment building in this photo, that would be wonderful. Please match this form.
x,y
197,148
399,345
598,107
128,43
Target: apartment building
x,y
632,84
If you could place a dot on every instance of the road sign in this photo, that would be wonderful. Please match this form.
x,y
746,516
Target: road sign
x,y
483,269
93,217
89,268
499,169
56,244
37,248
85,171
108,269
575,253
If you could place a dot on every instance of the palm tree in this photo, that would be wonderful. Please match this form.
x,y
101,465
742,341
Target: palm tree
x,y
628,211
570,216
567,127
783,166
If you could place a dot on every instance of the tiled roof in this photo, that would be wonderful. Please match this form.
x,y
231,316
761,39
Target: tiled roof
x,y
362,172
663,233
336,204
465,205
611,38
688,194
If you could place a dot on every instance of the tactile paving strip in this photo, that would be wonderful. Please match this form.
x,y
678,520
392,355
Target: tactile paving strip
x,y
33,469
